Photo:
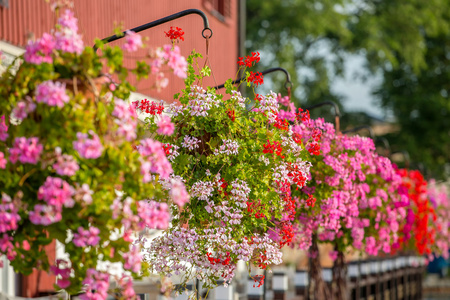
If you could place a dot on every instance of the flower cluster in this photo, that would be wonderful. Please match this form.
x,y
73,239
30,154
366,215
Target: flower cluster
x,y
238,166
249,61
89,148
440,200
175,34
168,253
72,169
25,150
357,202
65,39
228,147
171,56
133,41
418,229
52,94
23,108
201,101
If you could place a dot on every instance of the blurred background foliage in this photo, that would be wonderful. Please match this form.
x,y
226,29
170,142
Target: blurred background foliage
x,y
405,44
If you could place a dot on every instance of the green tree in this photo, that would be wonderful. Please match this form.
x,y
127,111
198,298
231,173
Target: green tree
x,y
421,105
312,38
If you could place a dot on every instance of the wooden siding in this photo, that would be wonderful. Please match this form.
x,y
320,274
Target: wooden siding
x,y
28,19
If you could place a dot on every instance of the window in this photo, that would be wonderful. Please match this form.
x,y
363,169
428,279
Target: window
x,y
219,8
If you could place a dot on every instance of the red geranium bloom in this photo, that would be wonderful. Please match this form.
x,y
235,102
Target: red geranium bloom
x,y
175,34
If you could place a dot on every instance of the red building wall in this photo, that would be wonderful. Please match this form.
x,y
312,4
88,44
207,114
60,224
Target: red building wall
x,y
25,19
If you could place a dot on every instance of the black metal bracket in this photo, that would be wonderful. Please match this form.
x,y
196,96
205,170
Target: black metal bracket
x,y
337,112
287,84
162,21
356,129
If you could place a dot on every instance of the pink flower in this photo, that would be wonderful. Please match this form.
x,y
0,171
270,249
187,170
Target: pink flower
x,y
178,193
127,130
23,108
26,150
153,215
154,160
56,192
165,126
68,20
7,247
333,255
170,55
65,165
45,214
126,282
40,51
9,216
176,61
3,160
3,129
161,82
133,41
83,194
96,285
52,93
123,110
26,245
67,37
62,271
88,148
87,237
126,119
190,142
371,247
69,41
133,259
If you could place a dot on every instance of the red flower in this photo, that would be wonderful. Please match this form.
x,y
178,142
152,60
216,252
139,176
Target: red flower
x,y
166,148
223,186
258,97
303,115
259,279
231,115
296,175
149,107
311,201
317,134
175,34
282,124
314,148
249,60
256,77
275,147
287,234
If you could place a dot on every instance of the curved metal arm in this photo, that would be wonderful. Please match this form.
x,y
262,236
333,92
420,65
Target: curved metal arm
x,y
162,21
356,129
406,157
337,112
288,78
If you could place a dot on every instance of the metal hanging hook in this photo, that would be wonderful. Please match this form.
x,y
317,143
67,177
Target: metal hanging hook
x,y
356,129
210,33
337,112
162,21
287,85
